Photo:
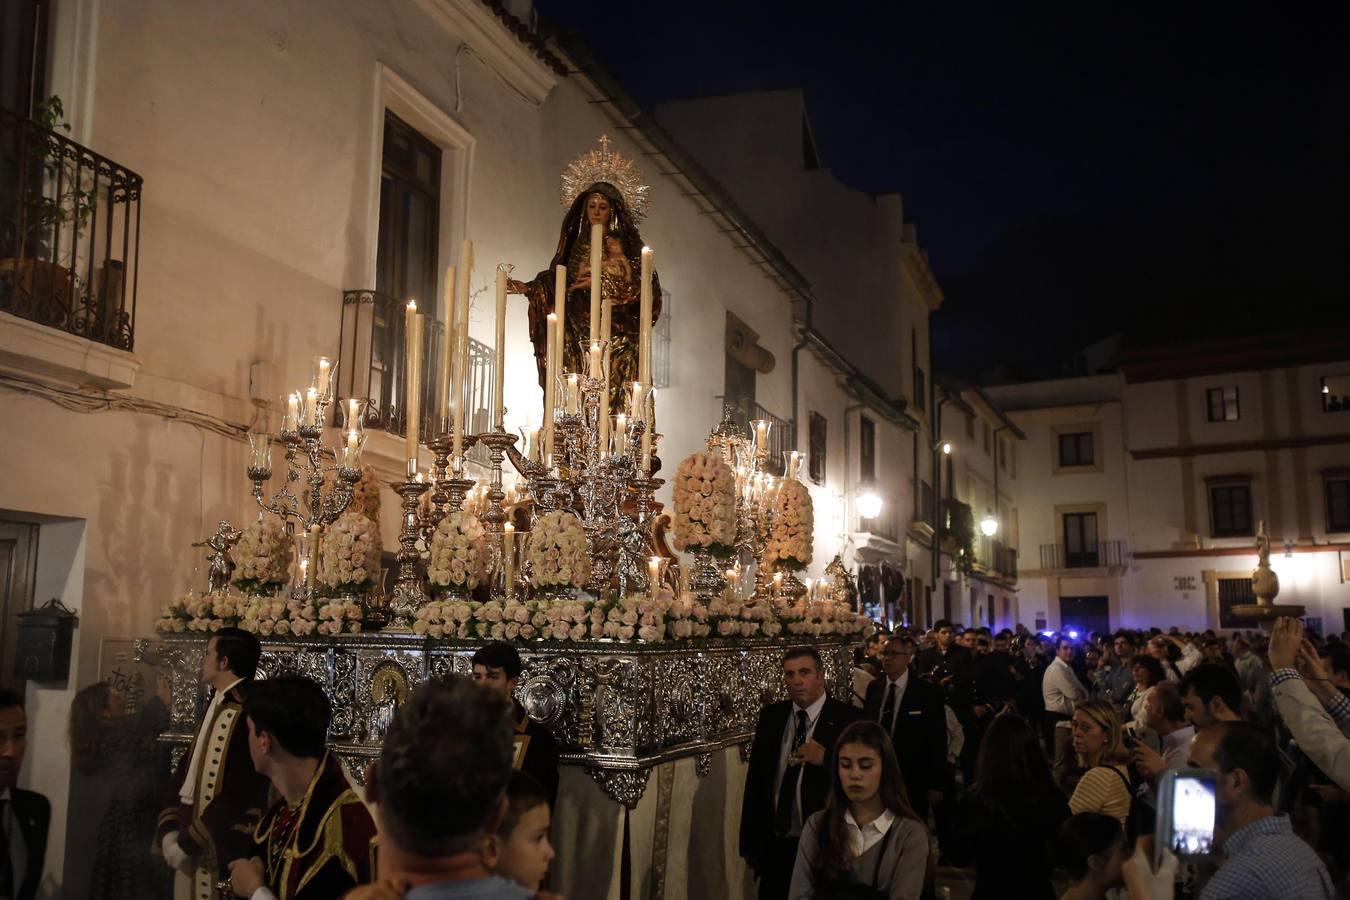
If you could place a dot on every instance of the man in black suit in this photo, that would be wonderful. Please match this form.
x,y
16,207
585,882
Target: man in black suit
x,y
24,815
911,711
790,769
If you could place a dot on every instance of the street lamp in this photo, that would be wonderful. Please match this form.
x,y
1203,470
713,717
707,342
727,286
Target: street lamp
x,y
944,446
988,525
869,504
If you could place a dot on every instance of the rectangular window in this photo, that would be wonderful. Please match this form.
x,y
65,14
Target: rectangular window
x,y
926,503
1234,592
1080,540
1338,504
1230,510
1222,404
23,52
1003,455
661,344
1336,392
817,438
410,193
867,450
1075,449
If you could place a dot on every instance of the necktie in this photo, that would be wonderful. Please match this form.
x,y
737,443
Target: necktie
x,y
888,708
6,864
785,813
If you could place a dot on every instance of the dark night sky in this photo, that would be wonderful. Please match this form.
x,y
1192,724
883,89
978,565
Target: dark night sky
x,y
1073,172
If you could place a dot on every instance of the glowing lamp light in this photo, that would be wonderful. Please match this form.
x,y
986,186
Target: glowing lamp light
x,y
989,525
947,448
1073,635
869,505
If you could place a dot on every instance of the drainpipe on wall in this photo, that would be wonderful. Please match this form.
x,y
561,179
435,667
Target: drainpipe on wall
x,y
938,513
802,341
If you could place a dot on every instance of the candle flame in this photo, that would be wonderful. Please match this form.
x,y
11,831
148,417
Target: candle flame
x,y
412,304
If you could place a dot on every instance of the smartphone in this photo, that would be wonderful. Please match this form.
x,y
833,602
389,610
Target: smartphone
x,y
1185,813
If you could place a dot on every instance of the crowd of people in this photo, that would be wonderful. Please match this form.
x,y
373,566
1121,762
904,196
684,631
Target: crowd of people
x,y
1037,762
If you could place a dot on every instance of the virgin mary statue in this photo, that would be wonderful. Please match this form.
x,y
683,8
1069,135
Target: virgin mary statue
x,y
600,187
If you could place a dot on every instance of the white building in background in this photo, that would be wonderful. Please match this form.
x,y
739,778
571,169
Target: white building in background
x,y
261,210
1141,492
862,361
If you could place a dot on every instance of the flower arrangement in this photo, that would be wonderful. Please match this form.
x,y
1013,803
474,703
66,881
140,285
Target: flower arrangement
x,y
350,553
366,494
792,534
735,618
705,505
557,553
262,557
201,613
820,617
458,555
339,617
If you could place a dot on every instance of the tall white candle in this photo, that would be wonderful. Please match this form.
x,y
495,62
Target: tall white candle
x,y
560,306
461,374
509,559
410,392
597,239
444,379
324,365
311,407
645,320
293,407
550,380
499,371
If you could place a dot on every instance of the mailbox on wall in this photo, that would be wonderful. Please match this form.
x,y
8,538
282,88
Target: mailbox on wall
x,y
44,640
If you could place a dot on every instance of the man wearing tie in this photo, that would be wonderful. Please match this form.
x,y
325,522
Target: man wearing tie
x,y
24,815
789,774
911,711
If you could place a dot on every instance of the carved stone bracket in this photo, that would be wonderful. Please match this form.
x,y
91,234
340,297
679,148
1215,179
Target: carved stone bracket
x,y
624,786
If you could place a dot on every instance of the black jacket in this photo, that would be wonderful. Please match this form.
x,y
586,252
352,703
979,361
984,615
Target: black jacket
x,y
33,812
757,806
919,736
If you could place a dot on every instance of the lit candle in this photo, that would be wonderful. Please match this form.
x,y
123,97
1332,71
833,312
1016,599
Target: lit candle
x,y
410,392
594,355
654,566
573,398
351,458
597,238
645,320
324,365
509,558
621,434
499,381
649,418
444,378
635,410
353,420
311,407
809,584
550,380
293,409
351,441
560,300
777,584
461,375
761,435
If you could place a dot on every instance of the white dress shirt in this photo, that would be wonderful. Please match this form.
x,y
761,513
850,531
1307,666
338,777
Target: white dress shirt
x,y
1176,747
812,716
865,837
18,848
188,793
898,687
1062,690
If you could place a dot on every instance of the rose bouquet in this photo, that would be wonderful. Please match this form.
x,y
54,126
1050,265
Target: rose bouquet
x,y
365,499
339,617
705,505
262,615
201,612
821,617
262,557
458,554
350,553
791,537
557,553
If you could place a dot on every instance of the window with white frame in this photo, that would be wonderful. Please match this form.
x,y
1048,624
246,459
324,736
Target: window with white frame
x,y
1221,404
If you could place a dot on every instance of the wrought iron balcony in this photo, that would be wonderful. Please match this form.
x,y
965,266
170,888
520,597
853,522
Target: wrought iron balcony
x,y
70,224
996,557
1101,554
782,434
373,364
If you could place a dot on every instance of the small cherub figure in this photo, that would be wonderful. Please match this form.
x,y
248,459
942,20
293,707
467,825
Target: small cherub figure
x,y
615,264
222,566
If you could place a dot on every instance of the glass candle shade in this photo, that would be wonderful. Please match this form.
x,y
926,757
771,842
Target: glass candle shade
x,y
596,358
792,461
618,435
290,412
353,443
354,411
260,455
571,394
656,569
325,377
760,429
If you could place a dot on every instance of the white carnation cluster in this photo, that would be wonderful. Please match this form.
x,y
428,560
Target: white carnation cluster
x,y
200,612
792,535
350,553
705,504
820,617
262,557
558,553
458,553
736,618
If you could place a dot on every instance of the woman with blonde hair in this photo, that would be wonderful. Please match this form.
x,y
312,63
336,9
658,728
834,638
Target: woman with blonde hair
x,y
1097,740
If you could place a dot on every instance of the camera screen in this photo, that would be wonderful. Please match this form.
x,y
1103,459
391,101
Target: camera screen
x,y
1192,817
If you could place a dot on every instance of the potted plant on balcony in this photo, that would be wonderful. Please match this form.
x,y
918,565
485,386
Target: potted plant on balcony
x,y
47,195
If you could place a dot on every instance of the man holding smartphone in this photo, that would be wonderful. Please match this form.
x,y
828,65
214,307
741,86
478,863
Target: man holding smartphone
x,y
1264,858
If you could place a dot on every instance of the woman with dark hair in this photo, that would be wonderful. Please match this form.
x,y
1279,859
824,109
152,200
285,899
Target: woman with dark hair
x,y
1091,849
867,842
1005,822
1147,672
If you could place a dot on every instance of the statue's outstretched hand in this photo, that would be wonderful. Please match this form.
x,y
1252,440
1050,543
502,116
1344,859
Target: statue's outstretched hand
x,y
515,287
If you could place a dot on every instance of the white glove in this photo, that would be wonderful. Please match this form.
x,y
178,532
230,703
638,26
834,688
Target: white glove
x,y
174,856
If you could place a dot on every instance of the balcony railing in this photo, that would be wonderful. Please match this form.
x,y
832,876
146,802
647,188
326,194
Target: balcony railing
x,y
1102,554
997,557
782,435
884,525
372,363
70,224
